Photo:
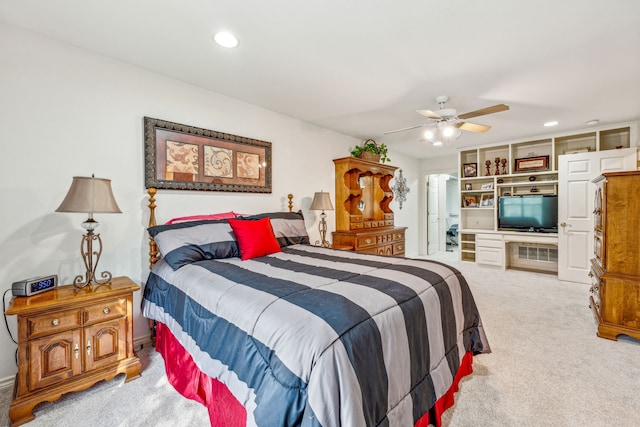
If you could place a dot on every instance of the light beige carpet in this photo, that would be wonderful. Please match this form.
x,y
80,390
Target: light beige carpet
x,y
547,368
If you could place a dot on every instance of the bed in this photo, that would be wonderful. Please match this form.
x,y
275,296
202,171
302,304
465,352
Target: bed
x,y
305,335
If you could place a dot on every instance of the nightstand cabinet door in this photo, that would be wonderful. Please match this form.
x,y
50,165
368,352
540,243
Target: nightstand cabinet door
x,y
105,343
54,358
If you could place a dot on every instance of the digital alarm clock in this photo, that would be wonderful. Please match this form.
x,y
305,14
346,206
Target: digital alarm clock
x,y
35,285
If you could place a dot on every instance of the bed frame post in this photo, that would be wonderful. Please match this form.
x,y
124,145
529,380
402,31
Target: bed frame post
x,y
290,197
153,248
153,251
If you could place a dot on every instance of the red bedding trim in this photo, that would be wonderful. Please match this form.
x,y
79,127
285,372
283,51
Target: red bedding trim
x,y
225,410
188,380
447,400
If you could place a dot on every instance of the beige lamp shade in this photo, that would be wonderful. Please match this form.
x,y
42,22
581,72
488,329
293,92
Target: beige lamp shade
x,y
321,202
89,195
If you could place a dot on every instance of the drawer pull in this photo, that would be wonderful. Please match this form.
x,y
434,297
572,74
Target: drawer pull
x,y
76,350
367,241
88,347
55,322
106,310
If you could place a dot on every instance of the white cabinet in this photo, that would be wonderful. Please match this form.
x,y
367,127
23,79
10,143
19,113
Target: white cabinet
x,y
490,249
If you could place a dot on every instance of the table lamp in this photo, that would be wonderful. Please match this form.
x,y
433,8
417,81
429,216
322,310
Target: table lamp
x,y
90,195
322,202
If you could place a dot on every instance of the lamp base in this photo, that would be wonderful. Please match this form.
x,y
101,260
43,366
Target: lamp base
x,y
88,254
322,227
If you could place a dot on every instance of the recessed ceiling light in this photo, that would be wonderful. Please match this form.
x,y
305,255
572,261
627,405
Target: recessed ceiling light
x,y
593,122
551,123
226,39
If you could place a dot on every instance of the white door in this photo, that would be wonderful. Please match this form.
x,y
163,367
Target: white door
x,y
575,206
433,226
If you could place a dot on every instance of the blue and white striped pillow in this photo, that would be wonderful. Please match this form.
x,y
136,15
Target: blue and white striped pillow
x,y
184,243
288,227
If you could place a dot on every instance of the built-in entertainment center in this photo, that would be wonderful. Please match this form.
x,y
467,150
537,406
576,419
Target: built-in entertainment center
x,y
509,197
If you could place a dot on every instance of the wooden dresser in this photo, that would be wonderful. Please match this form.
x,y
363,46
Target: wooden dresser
x,y
364,220
69,339
615,268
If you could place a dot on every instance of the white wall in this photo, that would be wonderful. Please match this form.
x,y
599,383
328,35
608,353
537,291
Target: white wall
x,y
66,111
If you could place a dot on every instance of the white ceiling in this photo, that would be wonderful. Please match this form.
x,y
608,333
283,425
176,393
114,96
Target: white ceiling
x,y
363,67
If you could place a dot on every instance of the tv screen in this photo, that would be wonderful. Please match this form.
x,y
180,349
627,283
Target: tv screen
x,y
528,212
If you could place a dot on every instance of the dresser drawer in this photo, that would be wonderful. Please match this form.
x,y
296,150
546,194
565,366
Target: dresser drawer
x,y
487,243
49,323
595,289
398,249
364,241
105,310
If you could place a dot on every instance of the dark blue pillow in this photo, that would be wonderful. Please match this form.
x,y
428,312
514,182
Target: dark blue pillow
x,y
288,227
187,242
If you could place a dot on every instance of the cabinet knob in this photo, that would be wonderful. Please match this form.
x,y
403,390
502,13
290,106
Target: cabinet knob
x,y
106,310
88,347
55,322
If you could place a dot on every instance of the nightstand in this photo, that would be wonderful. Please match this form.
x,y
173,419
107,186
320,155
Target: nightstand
x,y
69,339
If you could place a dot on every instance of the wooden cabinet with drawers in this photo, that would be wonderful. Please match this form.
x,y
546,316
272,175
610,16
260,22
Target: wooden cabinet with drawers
x,y
364,219
615,268
69,339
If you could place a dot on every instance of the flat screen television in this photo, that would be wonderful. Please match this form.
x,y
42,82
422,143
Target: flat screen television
x,y
528,213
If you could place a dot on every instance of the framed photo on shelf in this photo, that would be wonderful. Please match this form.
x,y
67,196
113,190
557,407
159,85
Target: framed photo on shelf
x,y
532,164
470,169
487,186
470,202
486,200
468,187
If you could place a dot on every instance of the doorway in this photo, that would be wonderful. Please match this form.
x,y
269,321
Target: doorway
x,y
443,212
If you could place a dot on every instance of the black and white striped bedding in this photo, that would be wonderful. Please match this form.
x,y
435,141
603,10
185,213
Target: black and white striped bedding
x,y
315,336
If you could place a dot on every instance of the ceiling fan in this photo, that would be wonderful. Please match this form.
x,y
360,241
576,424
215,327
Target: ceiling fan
x,y
447,123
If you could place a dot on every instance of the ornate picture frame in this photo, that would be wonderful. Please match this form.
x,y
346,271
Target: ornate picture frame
x,y
182,157
532,163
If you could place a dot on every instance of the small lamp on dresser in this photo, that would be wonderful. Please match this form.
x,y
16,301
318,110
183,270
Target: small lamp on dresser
x,y
322,202
90,195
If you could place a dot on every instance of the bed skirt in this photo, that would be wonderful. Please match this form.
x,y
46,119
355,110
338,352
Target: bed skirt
x,y
225,411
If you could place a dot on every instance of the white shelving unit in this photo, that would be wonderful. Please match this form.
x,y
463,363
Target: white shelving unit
x,y
517,168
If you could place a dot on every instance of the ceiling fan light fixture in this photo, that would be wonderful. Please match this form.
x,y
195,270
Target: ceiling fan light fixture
x,y
448,131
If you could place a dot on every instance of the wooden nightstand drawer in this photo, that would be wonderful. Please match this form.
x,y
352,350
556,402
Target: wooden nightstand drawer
x,y
106,310
50,323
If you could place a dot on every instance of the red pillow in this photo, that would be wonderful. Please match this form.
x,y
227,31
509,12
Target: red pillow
x,y
255,237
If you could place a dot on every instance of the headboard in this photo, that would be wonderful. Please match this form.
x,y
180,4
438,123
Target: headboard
x,y
153,248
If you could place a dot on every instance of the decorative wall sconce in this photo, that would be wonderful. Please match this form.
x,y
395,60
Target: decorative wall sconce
x,y
400,188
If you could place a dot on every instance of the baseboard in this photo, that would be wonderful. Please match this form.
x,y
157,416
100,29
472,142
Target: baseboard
x,y
7,382
142,342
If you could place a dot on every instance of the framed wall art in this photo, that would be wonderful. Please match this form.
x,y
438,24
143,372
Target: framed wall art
x,y
182,157
532,164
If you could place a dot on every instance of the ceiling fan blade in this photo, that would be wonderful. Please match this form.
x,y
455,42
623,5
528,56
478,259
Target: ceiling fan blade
x,y
484,111
429,114
403,129
473,127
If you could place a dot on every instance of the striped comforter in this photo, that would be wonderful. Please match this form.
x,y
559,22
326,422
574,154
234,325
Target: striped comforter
x,y
320,337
